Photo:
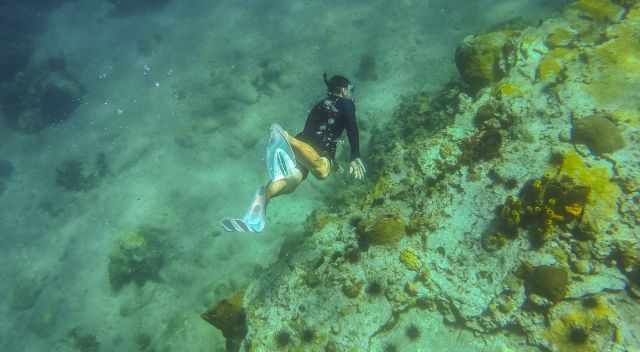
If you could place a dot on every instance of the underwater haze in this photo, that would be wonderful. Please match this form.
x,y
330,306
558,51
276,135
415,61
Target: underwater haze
x,y
500,210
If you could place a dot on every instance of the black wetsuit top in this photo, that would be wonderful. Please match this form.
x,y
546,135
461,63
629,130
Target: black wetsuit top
x,y
325,123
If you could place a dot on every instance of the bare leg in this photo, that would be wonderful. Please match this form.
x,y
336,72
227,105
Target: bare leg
x,y
282,186
319,166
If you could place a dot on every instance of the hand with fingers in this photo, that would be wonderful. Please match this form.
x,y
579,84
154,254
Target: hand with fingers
x,y
357,169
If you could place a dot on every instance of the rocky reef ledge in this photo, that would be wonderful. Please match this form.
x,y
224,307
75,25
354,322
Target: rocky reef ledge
x,y
502,213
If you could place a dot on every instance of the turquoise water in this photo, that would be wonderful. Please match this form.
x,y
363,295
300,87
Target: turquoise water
x,y
129,131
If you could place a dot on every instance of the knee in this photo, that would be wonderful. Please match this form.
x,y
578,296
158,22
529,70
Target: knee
x,y
292,183
322,173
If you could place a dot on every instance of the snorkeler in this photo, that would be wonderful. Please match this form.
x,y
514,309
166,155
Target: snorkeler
x,y
290,159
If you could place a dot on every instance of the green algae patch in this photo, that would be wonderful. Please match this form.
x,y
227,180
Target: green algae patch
x,y
548,281
384,230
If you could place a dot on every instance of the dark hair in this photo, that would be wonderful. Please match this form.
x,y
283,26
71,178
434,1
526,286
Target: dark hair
x,y
335,83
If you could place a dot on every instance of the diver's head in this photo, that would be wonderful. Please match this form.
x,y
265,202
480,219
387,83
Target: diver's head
x,y
338,85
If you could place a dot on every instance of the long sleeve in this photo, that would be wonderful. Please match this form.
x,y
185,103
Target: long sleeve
x,y
351,125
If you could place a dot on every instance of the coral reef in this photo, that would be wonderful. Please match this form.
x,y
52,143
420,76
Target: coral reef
x,y
138,257
484,216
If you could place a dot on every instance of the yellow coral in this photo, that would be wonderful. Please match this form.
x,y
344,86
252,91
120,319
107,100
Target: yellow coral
x,y
410,259
574,210
507,89
603,193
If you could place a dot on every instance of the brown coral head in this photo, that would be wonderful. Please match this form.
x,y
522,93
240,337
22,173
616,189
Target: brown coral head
x,y
548,281
384,230
598,133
